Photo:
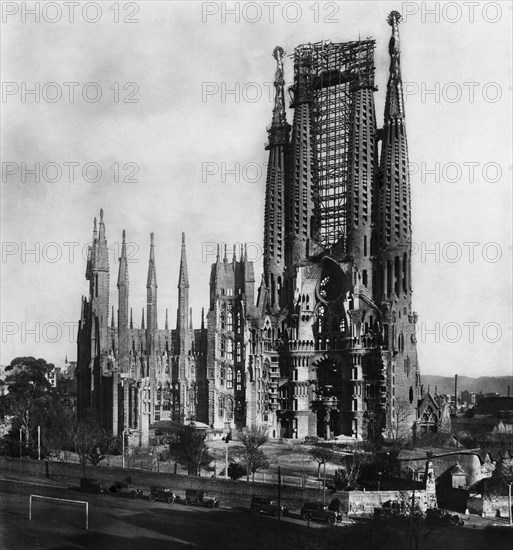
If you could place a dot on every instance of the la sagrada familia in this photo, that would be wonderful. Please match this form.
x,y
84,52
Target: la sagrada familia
x,y
326,346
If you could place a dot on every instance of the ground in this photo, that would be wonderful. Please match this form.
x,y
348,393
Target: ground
x,y
125,524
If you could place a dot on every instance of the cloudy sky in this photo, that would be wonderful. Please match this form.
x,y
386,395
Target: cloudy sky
x,y
166,105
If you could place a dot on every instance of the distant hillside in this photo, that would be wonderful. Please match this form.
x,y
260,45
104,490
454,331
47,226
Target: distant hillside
x,y
485,384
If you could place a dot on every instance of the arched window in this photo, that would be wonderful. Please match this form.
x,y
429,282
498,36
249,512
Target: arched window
x,y
222,345
239,352
229,378
222,375
239,380
400,342
229,321
411,394
220,406
364,277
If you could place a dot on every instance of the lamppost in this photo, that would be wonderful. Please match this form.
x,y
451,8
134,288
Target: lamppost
x,y
126,431
410,527
324,483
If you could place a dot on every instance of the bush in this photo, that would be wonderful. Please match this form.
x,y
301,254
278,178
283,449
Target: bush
x,y
236,470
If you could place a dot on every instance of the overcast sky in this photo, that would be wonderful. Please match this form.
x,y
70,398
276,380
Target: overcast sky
x,y
172,133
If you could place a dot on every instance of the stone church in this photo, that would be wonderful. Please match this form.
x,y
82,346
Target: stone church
x,y
326,346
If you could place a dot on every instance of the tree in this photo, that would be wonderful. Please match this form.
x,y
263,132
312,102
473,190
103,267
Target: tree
x,y
253,458
87,440
57,431
30,398
187,446
401,415
321,454
352,466
236,470
254,461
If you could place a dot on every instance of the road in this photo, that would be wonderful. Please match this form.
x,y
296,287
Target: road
x,y
125,524
120,523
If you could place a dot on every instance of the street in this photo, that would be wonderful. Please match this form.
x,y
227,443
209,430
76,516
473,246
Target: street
x,y
123,523
120,523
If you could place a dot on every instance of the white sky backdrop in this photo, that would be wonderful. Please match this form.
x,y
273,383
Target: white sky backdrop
x,y
170,53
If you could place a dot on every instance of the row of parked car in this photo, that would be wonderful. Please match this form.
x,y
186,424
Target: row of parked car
x,y
432,516
309,511
163,494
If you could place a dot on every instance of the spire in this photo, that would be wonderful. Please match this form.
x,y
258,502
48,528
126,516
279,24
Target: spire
x,y
131,319
218,257
152,273
101,255
182,312
234,258
183,278
394,106
151,301
279,129
166,326
123,264
112,320
142,320
190,318
225,259
202,318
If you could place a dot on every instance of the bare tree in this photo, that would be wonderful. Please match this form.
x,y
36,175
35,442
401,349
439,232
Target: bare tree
x,y
254,458
87,438
352,466
400,416
254,461
321,454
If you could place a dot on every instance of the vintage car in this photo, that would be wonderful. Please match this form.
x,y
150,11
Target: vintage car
x,y
436,516
92,486
319,511
125,489
390,508
199,498
162,493
267,506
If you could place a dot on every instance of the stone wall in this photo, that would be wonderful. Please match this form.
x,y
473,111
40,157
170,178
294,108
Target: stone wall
x,y
230,493
362,503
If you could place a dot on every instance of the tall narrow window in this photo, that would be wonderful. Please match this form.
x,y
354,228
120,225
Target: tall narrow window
x,y
229,349
229,378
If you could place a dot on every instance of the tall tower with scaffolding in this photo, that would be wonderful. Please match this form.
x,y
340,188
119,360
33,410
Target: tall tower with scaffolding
x,y
338,308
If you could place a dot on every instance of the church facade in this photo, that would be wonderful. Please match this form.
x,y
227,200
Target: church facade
x,y
326,345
